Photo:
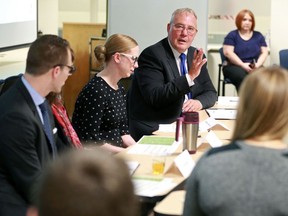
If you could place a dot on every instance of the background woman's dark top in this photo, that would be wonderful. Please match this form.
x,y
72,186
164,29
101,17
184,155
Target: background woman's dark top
x,y
246,50
100,113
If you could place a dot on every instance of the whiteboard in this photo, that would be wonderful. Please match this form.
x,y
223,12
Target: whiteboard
x,y
146,20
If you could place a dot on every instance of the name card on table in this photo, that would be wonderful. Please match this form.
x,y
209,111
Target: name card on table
x,y
211,123
213,140
184,163
132,166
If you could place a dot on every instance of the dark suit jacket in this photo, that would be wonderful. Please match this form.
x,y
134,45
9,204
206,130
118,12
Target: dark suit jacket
x,y
24,150
157,92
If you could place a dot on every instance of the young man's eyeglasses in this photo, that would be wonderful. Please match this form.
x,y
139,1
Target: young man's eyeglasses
x,y
72,68
180,27
133,58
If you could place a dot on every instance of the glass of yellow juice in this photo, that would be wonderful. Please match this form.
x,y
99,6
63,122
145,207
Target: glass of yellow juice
x,y
158,165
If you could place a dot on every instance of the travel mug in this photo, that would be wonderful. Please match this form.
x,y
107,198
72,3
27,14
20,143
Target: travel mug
x,y
190,128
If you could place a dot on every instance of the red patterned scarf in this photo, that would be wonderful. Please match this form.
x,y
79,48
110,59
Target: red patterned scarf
x,y
61,116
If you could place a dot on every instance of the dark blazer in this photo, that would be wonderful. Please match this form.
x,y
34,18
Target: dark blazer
x,y
24,150
157,92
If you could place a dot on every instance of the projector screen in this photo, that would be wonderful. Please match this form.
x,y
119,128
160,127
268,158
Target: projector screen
x,y
18,23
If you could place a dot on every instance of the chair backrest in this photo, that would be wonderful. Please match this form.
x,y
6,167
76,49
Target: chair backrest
x,y
223,63
223,58
2,82
283,56
7,83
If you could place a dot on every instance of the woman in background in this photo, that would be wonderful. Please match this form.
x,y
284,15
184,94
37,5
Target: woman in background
x,y
65,130
244,48
248,176
100,114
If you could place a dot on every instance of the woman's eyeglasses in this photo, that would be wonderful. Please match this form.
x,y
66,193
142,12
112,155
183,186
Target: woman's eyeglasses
x,y
72,68
133,58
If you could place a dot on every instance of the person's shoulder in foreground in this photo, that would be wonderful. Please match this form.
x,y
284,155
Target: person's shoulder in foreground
x,y
86,183
241,177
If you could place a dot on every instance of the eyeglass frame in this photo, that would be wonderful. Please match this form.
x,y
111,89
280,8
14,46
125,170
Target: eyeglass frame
x,y
72,68
181,27
133,58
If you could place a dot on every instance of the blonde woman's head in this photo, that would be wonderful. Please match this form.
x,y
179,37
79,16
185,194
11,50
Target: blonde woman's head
x,y
115,43
263,105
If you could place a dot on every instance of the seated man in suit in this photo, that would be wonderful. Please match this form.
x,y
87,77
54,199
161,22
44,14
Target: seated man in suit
x,y
163,86
28,140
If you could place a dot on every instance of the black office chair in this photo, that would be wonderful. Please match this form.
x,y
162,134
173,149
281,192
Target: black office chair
x,y
7,83
2,81
225,80
283,56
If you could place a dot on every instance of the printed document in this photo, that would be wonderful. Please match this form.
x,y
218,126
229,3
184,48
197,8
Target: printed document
x,y
154,145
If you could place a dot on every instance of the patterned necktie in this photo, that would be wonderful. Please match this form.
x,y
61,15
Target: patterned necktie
x,y
47,126
184,70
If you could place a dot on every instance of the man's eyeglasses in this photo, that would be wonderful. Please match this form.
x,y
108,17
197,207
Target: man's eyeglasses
x,y
72,68
190,29
133,58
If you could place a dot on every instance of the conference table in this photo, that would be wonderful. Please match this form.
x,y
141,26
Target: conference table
x,y
159,191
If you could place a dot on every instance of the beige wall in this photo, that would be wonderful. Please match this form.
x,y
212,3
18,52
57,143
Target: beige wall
x,y
48,16
279,31
89,11
260,8
52,13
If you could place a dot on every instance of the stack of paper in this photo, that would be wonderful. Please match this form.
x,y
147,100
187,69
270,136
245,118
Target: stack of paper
x,y
154,145
222,113
150,187
228,101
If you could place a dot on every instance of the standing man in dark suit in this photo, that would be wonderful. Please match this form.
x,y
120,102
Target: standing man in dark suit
x,y
159,93
25,146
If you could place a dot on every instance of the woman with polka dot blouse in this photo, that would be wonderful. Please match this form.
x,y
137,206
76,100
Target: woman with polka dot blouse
x,y
100,114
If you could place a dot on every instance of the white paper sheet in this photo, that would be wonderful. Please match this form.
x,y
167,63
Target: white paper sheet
x,y
147,149
228,101
152,187
170,128
157,146
222,113
132,166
